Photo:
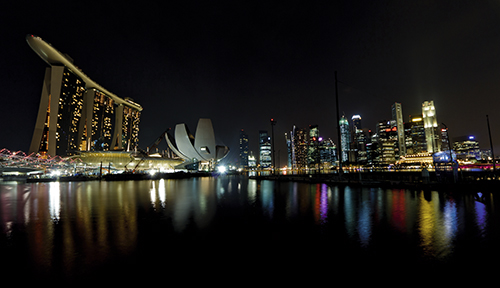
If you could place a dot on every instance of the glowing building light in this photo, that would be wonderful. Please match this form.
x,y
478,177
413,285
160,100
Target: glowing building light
x,y
221,169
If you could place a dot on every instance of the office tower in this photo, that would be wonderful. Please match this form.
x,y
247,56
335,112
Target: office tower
x,y
373,150
77,114
360,139
265,149
243,149
415,135
356,122
431,127
327,152
289,146
397,115
467,148
345,137
386,138
299,148
445,141
291,143
313,159
252,162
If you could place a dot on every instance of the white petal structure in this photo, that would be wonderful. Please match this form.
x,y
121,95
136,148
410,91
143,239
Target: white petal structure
x,y
200,147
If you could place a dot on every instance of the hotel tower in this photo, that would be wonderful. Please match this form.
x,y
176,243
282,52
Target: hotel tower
x,y
77,114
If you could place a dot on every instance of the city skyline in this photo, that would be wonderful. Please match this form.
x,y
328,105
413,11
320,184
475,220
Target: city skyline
x,y
243,64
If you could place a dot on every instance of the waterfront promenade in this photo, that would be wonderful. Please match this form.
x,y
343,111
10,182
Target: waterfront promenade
x,y
463,180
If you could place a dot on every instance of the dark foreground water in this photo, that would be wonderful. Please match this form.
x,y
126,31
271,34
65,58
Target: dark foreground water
x,y
232,230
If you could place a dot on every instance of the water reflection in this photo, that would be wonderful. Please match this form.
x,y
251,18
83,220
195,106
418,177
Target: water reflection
x,y
267,198
54,200
78,226
186,201
364,226
481,217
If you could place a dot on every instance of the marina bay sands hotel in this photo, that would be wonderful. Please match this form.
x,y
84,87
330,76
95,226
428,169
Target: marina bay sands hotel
x,y
77,114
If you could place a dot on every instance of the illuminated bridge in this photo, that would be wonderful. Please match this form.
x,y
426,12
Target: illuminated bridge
x,y
19,164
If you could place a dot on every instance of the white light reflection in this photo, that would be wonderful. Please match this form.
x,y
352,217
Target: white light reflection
x,y
364,221
162,193
152,194
157,194
481,216
54,200
252,191
450,220
267,197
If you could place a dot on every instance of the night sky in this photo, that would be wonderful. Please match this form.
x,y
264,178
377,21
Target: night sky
x,y
242,63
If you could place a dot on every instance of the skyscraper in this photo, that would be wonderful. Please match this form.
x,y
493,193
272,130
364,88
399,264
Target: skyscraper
x,y
431,127
243,149
445,141
386,142
77,114
415,135
360,139
313,159
327,152
288,140
345,137
299,148
264,149
397,115
252,163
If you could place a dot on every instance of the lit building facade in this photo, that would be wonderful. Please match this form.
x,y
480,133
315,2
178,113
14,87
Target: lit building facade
x,y
76,114
397,115
288,141
327,152
345,137
445,140
386,142
360,139
431,127
243,149
415,135
467,148
298,151
313,149
264,149
252,162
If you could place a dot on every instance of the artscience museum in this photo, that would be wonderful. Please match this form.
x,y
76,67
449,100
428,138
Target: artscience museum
x,y
199,150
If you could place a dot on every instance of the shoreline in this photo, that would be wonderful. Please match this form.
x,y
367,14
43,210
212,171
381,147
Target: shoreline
x,y
332,179
389,181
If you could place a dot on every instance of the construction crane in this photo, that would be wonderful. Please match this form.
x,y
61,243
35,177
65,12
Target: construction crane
x,y
146,153
155,144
